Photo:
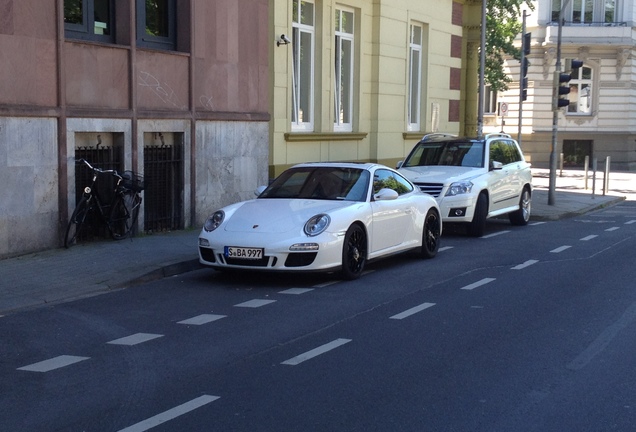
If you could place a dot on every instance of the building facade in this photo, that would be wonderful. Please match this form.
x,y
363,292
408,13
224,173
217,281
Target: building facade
x,y
364,80
173,89
600,120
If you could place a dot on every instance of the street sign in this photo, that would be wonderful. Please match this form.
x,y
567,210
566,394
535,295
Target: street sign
x,y
504,108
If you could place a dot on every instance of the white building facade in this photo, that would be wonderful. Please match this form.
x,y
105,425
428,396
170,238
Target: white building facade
x,y
600,120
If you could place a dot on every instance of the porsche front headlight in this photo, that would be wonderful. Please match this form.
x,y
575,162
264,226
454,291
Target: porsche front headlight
x,y
317,224
214,221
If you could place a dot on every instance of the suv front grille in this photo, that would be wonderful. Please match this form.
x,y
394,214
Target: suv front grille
x,y
433,189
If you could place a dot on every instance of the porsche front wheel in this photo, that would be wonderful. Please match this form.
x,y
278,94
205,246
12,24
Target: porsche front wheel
x,y
354,252
431,234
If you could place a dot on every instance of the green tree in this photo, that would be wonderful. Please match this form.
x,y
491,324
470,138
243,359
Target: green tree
x,y
503,24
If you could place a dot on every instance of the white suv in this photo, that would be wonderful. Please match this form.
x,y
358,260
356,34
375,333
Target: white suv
x,y
472,179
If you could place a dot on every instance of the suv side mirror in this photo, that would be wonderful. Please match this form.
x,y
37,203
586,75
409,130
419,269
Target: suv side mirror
x,y
494,165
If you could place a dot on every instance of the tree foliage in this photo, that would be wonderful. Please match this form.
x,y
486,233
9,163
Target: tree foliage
x,y
503,24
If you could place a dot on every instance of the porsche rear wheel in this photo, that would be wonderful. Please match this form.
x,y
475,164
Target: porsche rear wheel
x,y
354,253
431,234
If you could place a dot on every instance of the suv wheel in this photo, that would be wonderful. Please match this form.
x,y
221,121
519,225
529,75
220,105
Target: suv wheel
x,y
522,216
478,224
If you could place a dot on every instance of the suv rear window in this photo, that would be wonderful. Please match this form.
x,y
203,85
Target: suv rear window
x,y
451,153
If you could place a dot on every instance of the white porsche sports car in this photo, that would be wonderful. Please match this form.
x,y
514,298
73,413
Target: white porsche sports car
x,y
323,217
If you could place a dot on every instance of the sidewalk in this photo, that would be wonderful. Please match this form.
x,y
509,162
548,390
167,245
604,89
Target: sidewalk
x,y
64,274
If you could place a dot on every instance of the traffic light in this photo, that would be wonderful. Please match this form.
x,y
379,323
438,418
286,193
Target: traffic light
x,y
561,91
524,78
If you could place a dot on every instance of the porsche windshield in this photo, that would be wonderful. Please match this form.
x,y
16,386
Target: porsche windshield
x,y
329,183
451,153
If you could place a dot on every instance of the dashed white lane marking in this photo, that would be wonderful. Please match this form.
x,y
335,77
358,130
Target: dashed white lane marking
x,y
316,352
604,339
256,303
445,248
201,319
326,284
412,311
524,265
537,223
54,363
135,339
560,249
296,291
495,234
629,222
612,229
590,237
472,286
170,414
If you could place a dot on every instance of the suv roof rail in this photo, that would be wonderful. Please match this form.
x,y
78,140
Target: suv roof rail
x,y
502,135
437,134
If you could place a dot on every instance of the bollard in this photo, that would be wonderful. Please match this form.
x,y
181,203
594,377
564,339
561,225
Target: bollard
x,y
561,164
606,177
594,161
586,169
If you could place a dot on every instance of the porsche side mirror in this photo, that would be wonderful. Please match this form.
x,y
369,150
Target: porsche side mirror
x,y
259,190
385,194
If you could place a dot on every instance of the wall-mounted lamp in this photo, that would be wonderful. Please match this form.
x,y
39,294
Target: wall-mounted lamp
x,y
282,40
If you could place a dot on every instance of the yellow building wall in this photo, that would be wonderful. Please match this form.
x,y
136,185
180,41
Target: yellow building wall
x,y
381,81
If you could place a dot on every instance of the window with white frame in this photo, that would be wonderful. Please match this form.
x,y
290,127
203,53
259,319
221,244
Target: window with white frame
x,y
585,11
490,101
303,34
343,70
415,78
580,95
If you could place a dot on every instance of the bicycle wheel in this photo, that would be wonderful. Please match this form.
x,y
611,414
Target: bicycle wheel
x,y
124,214
75,223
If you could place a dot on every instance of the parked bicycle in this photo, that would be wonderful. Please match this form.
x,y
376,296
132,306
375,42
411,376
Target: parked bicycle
x,y
119,215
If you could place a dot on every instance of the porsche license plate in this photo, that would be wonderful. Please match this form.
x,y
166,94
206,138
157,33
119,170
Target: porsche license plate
x,y
243,252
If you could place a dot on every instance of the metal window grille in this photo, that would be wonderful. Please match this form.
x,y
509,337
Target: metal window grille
x,y
163,196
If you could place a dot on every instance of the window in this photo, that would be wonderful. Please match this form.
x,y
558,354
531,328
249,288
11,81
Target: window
x,y
388,179
585,11
303,33
89,20
580,95
343,91
156,24
490,101
504,151
415,78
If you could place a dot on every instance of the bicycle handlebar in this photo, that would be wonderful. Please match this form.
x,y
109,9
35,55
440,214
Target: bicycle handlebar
x,y
98,170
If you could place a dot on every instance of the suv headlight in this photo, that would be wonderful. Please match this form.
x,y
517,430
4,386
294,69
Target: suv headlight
x,y
459,188
214,221
317,224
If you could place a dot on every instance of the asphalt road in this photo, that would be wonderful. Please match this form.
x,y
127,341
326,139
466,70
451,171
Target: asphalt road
x,y
526,329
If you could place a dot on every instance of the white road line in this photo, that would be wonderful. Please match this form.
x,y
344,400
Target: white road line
x,y
630,222
604,339
135,339
613,229
524,265
445,248
296,291
560,249
537,223
202,319
54,363
170,414
590,237
495,234
256,303
412,311
316,352
478,284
